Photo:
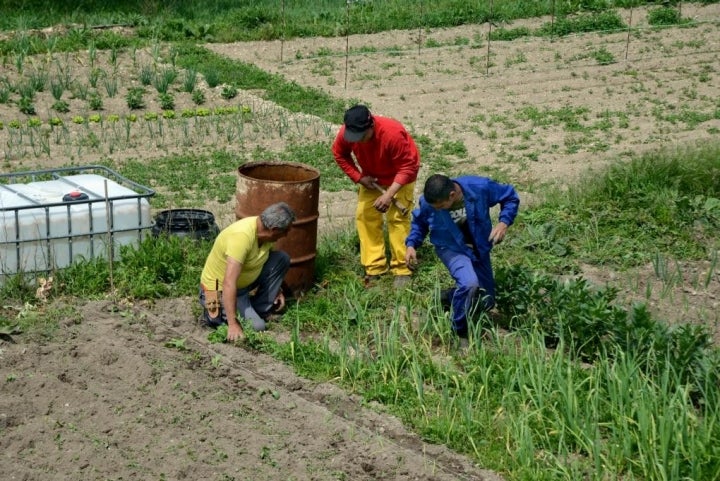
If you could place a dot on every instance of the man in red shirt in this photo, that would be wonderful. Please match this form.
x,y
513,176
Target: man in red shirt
x,y
385,157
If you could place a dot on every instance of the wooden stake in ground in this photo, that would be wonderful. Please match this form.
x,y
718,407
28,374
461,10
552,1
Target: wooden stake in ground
x,y
111,250
347,38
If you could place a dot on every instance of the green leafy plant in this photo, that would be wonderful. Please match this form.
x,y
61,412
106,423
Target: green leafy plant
x,y
179,344
603,56
26,106
218,335
198,96
95,102
664,16
61,106
135,99
229,92
584,22
167,101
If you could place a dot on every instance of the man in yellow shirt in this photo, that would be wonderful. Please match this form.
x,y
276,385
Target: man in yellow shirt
x,y
242,262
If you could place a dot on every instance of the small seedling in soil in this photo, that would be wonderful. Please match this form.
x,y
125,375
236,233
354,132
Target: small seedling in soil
x,y
177,344
219,335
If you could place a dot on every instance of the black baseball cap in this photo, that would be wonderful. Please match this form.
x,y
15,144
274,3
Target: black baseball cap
x,y
357,121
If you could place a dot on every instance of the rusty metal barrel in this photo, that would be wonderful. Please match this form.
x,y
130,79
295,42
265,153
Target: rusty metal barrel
x,y
260,184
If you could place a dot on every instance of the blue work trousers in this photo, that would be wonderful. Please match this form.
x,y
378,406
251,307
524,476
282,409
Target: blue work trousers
x,y
474,286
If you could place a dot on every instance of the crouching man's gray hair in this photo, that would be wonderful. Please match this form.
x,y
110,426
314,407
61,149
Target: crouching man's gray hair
x,y
278,216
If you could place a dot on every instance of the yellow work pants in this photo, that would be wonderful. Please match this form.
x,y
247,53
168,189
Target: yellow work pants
x,y
369,223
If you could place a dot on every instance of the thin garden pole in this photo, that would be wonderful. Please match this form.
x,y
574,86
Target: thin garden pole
x,y
282,36
552,21
627,42
490,19
420,27
110,238
347,39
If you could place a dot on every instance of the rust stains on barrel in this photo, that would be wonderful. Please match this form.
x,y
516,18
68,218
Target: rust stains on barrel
x,y
260,184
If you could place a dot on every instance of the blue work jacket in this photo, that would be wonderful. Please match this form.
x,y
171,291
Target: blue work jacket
x,y
479,195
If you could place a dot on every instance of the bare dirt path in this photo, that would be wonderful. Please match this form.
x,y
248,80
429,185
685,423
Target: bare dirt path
x,y
137,392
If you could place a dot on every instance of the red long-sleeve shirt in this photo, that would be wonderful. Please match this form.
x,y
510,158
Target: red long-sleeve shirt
x,y
390,155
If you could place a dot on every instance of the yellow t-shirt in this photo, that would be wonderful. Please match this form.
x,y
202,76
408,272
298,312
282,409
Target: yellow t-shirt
x,y
238,241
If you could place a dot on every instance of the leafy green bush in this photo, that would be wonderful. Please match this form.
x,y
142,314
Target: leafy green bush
x,y
135,98
229,92
26,106
161,266
95,102
506,34
589,323
167,101
664,16
603,56
198,96
586,22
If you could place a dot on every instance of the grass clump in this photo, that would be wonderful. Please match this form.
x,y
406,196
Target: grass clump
x,y
661,202
606,21
664,16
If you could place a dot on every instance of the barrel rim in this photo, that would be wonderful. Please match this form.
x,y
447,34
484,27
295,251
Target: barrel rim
x,y
261,163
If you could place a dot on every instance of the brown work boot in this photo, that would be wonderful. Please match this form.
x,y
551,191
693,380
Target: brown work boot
x,y
400,282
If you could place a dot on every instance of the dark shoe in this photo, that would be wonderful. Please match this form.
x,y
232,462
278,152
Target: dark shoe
x,y
271,316
400,282
462,342
202,321
207,323
446,296
370,281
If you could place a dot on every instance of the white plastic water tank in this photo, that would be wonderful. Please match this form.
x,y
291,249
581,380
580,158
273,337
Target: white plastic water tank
x,y
49,224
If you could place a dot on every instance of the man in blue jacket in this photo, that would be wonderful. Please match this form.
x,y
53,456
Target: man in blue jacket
x,y
456,213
